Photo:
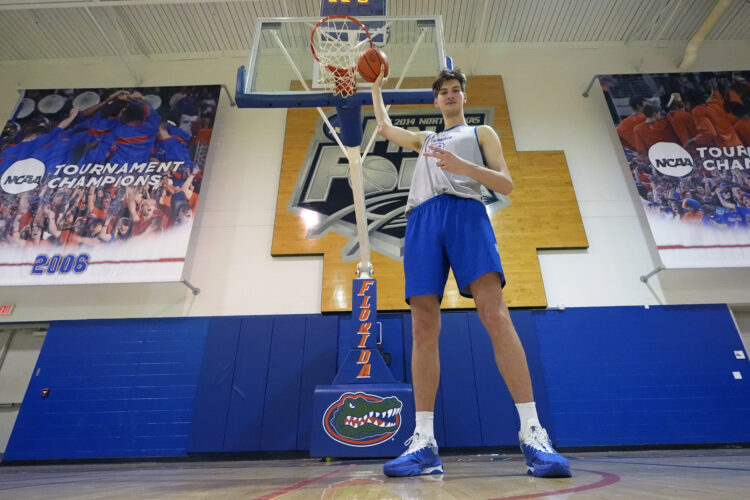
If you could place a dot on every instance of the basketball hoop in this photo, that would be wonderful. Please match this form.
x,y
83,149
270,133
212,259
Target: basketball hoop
x,y
336,42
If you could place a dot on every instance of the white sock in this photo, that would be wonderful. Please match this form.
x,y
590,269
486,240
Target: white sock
x,y
527,415
424,425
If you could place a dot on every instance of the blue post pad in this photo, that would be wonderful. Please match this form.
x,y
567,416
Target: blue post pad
x,y
364,364
362,414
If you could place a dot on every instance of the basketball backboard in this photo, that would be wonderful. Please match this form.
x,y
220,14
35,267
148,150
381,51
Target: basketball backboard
x,y
280,57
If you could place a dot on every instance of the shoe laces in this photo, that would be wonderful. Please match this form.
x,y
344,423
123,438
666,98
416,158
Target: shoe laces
x,y
537,438
417,442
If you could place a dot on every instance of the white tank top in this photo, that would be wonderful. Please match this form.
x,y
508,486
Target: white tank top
x,y
429,180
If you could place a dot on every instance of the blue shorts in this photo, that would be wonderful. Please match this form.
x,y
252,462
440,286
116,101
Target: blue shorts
x,y
448,231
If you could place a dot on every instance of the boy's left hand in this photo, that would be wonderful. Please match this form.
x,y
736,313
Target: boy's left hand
x,y
448,161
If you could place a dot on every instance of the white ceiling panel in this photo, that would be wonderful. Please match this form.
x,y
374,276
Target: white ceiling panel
x,y
61,29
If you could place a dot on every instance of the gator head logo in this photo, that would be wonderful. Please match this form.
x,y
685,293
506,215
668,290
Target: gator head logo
x,y
362,419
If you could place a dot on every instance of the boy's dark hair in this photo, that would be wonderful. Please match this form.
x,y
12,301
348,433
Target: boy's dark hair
x,y
444,76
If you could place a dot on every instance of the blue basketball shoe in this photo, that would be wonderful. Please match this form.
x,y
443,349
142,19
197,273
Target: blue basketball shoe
x,y
420,458
541,459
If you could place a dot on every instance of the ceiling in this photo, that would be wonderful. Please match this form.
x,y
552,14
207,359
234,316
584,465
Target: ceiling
x,y
63,29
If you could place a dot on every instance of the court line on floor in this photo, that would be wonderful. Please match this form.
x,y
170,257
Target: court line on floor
x,y
665,465
299,485
606,480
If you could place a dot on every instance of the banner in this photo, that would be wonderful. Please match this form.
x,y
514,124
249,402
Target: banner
x,y
101,185
686,139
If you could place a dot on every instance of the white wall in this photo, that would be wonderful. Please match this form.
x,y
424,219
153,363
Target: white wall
x,y
230,251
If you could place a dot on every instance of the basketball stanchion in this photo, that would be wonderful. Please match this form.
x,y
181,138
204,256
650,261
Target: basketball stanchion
x,y
362,409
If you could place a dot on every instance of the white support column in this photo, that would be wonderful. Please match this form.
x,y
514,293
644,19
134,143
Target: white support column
x,y
364,268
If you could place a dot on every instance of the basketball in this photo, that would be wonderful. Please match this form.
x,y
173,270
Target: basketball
x,y
369,64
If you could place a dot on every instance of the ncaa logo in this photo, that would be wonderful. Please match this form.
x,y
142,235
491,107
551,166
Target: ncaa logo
x,y
360,419
323,197
670,159
22,176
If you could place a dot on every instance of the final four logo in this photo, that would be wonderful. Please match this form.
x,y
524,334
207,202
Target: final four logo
x,y
323,196
359,419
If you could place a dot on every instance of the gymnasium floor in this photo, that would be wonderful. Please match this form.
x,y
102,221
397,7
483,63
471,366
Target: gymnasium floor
x,y
714,474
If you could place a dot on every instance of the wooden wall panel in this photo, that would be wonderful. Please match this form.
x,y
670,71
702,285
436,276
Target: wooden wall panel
x,y
543,214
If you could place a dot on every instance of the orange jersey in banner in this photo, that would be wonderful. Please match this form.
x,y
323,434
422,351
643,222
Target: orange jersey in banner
x,y
649,133
682,124
705,131
625,129
725,135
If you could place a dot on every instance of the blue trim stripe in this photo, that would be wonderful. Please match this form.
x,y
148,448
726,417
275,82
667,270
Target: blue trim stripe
x,y
454,126
304,99
427,139
481,151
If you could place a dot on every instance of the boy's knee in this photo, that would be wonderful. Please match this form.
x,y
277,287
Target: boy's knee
x,y
425,329
494,318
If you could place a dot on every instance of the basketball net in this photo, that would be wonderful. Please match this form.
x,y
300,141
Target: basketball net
x,y
336,42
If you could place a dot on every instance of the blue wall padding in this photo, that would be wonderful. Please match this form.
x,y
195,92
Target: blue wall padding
x,y
318,368
165,387
393,344
527,332
635,376
279,361
246,408
497,414
457,383
281,407
215,385
118,388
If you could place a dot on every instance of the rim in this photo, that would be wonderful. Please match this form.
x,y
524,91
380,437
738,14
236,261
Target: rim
x,y
328,18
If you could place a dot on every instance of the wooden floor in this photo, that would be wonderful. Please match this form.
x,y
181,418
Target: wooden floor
x,y
714,474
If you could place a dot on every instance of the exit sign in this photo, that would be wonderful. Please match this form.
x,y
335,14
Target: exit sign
x,y
6,309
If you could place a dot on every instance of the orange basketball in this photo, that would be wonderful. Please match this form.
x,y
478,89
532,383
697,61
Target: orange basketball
x,y
369,64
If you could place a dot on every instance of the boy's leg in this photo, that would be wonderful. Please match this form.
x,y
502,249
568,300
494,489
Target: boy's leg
x,y
425,357
509,354
541,458
422,455
425,272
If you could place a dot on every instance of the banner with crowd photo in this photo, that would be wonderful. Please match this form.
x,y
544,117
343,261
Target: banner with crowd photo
x,y
101,185
686,139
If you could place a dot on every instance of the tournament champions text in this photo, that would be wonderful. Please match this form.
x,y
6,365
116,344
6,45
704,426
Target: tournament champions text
x,y
137,174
